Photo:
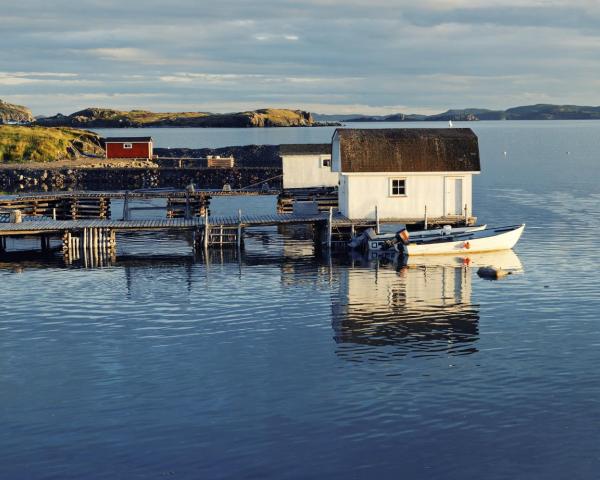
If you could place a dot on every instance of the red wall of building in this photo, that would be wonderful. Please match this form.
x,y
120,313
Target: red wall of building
x,y
137,150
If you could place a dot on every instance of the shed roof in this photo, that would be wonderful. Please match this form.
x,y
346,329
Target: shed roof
x,y
408,150
127,139
305,149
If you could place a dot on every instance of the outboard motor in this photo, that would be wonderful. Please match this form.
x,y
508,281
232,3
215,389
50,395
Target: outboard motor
x,y
402,236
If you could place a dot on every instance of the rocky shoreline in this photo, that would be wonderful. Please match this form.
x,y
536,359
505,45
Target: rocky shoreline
x,y
175,167
66,179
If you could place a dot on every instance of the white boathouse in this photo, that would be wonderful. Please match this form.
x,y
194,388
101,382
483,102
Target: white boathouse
x,y
406,174
307,166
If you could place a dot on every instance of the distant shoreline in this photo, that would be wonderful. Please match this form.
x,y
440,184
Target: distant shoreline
x,y
95,117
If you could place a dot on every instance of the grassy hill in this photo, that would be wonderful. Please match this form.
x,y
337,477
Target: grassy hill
x,y
20,144
109,118
14,113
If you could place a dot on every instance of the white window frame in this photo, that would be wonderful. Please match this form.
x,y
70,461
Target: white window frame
x,y
128,146
391,187
323,159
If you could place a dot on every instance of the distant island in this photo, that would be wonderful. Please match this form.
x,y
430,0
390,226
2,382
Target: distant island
x,y
528,112
108,118
94,117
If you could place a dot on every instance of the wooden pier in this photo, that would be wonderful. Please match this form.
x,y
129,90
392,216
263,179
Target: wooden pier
x,y
81,222
96,239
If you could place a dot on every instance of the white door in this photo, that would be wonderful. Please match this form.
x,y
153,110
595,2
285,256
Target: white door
x,y
454,196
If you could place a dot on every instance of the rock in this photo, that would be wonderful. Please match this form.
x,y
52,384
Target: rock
x,y
10,113
492,273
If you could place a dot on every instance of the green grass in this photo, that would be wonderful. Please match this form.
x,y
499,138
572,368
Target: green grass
x,y
40,144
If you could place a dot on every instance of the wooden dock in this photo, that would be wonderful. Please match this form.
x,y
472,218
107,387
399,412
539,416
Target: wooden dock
x,y
96,239
81,221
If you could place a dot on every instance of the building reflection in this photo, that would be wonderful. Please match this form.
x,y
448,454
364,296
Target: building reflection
x,y
384,309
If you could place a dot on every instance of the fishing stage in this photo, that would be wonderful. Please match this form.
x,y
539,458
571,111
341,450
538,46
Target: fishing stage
x,y
82,223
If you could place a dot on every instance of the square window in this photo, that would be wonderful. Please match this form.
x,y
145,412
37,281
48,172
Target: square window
x,y
397,187
325,161
127,146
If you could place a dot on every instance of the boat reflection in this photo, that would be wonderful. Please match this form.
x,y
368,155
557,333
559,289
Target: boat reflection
x,y
386,308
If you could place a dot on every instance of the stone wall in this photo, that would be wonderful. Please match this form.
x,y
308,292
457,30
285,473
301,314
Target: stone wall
x,y
40,180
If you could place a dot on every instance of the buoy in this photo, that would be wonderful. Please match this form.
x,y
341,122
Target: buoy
x,y
492,273
466,245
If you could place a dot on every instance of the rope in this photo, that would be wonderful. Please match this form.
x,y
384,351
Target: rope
x,y
258,183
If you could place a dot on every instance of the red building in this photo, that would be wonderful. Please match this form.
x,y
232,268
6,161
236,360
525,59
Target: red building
x,y
128,147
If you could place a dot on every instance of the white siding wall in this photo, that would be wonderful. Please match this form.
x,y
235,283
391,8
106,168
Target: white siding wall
x,y
336,165
303,171
363,191
343,195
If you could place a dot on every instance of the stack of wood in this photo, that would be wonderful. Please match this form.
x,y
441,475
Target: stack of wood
x,y
216,161
325,199
61,208
192,205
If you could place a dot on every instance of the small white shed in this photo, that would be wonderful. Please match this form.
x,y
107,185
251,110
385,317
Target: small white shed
x,y
307,166
405,172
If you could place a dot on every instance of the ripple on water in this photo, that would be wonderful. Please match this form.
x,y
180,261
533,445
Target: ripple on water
x,y
277,364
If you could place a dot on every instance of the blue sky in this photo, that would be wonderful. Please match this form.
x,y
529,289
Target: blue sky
x,y
326,56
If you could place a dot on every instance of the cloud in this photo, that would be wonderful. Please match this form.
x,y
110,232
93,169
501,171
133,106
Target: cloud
x,y
126,54
374,55
269,37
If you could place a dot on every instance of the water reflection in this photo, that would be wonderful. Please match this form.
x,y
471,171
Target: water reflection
x,y
386,308
382,307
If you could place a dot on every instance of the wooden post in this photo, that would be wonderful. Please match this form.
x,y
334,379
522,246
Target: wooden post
x,y
75,248
187,204
54,214
101,242
425,219
126,206
376,220
239,232
466,215
329,227
65,243
113,242
67,250
95,242
206,229
2,244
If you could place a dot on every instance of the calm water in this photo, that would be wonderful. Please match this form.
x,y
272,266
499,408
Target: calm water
x,y
276,364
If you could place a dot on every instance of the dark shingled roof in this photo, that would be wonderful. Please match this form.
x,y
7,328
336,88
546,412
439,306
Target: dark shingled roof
x,y
305,149
408,150
127,139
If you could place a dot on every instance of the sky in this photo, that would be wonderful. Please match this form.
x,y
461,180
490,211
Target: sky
x,y
324,56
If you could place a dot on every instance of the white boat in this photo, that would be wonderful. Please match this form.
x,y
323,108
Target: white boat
x,y
385,241
487,240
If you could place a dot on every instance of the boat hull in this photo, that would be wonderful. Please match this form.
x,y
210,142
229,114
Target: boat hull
x,y
490,240
376,243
